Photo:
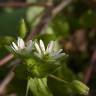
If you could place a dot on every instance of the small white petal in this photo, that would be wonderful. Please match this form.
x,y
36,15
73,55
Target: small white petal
x,y
59,56
15,46
58,52
29,45
20,43
37,48
50,47
42,46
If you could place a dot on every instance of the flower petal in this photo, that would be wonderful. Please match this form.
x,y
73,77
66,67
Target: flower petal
x,y
20,43
58,56
50,47
12,48
15,46
29,45
57,53
42,46
37,48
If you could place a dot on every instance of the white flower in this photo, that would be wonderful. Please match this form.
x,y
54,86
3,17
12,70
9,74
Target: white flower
x,y
20,47
50,52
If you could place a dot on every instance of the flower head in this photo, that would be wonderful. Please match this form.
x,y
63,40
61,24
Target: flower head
x,y
50,53
21,48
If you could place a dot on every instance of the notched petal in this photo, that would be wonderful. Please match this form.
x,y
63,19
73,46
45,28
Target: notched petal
x,y
15,46
50,47
42,46
37,48
20,43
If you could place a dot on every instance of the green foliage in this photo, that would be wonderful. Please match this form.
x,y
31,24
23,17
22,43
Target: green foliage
x,y
88,19
9,21
61,26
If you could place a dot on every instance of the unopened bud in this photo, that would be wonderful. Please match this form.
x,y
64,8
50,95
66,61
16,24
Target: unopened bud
x,y
80,87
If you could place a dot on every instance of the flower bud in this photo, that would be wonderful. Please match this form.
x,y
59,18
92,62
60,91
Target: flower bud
x,y
22,30
80,87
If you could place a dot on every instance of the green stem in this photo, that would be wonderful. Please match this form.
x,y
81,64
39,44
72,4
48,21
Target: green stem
x,y
57,78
